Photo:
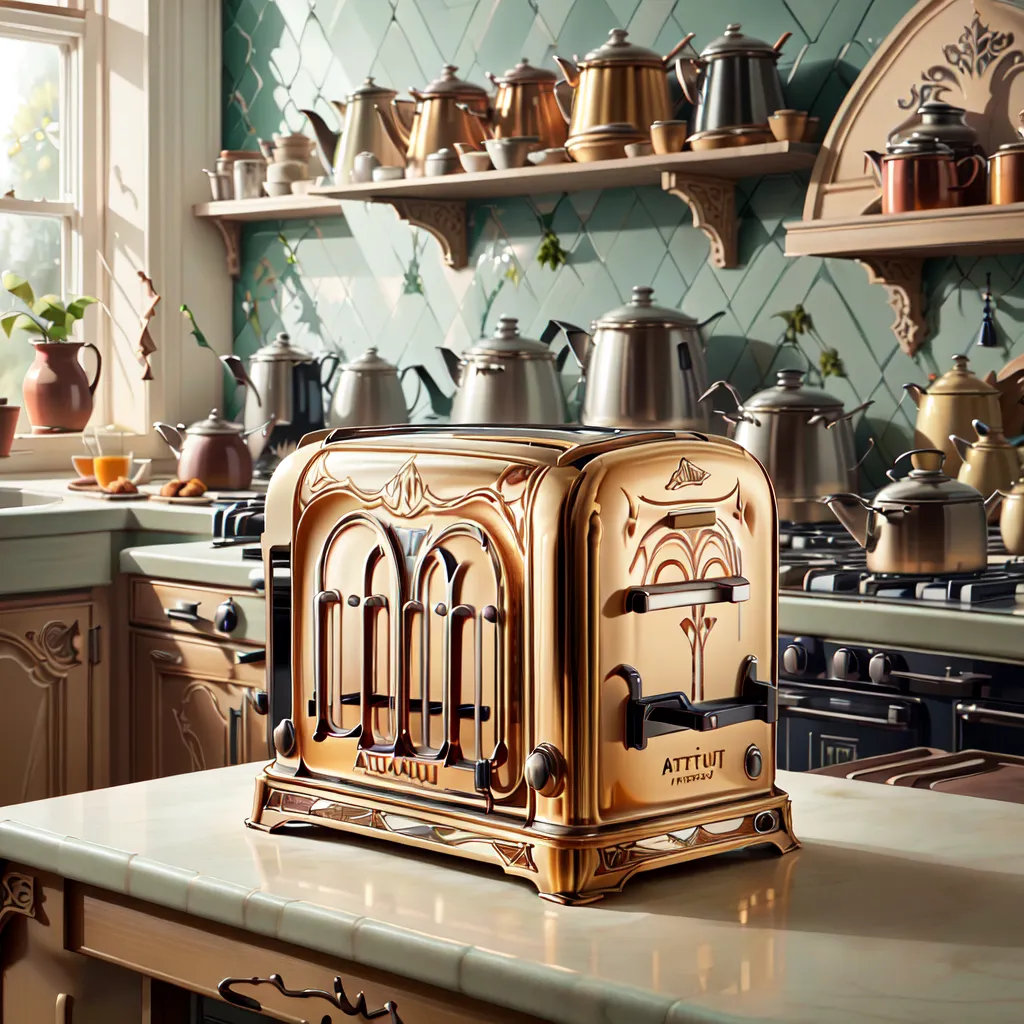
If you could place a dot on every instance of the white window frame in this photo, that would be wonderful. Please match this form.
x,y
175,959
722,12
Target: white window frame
x,y
149,81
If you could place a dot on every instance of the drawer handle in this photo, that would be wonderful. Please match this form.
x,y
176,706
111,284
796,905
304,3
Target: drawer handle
x,y
168,656
655,596
337,999
251,657
184,611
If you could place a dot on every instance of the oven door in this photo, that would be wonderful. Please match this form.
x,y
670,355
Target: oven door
x,y
990,725
826,725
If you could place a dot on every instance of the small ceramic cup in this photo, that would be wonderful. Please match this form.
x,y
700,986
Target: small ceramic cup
x,y
635,149
473,161
286,172
668,136
788,125
388,172
363,167
8,425
547,157
444,161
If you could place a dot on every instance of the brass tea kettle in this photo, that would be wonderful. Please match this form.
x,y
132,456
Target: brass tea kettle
x,y
618,82
989,464
364,131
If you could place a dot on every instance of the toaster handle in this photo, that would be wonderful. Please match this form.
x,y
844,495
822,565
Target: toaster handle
x,y
673,712
655,596
321,600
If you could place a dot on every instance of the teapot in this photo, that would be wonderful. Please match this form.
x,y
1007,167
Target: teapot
x,y
439,120
212,450
734,83
643,367
922,173
924,524
369,392
506,379
618,82
990,463
1011,518
955,400
364,132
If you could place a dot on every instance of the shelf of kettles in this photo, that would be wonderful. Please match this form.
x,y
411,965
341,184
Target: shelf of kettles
x,y
705,181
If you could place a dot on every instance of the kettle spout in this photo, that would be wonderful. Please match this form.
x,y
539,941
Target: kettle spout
x,y
916,392
993,500
854,513
452,363
580,342
570,69
689,74
874,158
962,446
326,140
440,403
394,125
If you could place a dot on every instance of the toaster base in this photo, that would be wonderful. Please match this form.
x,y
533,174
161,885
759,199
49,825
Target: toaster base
x,y
565,867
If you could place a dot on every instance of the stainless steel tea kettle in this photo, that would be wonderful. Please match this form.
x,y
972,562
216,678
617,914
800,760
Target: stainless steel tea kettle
x,y
369,392
506,379
644,366
290,385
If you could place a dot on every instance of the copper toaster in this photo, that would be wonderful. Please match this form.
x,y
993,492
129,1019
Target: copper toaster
x,y
554,650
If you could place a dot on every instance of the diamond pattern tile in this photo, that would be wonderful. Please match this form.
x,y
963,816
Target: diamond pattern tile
x,y
371,279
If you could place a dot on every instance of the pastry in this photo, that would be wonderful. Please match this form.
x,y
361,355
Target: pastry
x,y
122,485
172,488
195,488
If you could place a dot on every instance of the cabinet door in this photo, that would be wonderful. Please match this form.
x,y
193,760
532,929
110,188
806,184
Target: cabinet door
x,y
191,707
45,694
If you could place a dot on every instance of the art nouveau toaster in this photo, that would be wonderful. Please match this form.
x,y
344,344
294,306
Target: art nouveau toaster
x,y
549,649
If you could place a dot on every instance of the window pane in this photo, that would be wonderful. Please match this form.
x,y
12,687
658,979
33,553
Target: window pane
x,y
29,113
30,246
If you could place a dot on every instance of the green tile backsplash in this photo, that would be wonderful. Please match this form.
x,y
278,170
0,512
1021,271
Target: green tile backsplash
x,y
370,279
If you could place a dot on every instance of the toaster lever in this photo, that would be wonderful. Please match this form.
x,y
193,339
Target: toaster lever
x,y
673,712
654,597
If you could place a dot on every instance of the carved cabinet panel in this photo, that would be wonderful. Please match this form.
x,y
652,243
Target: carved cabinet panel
x,y
192,706
47,683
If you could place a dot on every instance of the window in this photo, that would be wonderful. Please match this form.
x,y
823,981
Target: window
x,y
40,163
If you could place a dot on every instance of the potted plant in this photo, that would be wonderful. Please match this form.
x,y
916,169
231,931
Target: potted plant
x,y
57,393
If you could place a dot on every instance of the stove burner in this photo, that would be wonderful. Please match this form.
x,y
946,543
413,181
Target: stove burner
x,y
993,584
814,537
241,522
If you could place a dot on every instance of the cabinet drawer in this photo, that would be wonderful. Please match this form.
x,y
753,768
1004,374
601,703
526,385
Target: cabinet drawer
x,y
151,601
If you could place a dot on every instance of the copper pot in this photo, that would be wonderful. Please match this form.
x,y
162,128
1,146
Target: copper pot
x,y
56,391
921,173
212,450
1006,174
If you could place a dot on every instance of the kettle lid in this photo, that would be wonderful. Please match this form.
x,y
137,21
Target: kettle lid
x,y
281,349
214,425
618,50
960,381
926,481
790,392
369,362
370,88
919,144
641,310
449,84
508,343
936,108
734,43
524,71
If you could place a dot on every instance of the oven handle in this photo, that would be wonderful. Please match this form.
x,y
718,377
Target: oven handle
x,y
655,596
964,678
898,716
974,713
321,601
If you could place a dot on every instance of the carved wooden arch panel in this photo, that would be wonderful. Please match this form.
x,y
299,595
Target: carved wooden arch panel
x,y
966,52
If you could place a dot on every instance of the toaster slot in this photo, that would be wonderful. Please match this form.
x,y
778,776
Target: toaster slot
x,y
653,597
673,712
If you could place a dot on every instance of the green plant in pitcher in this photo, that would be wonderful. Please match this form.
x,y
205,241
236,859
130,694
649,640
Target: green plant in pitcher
x,y
798,322
48,317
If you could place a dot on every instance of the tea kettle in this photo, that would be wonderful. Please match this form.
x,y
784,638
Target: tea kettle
x,y
364,131
369,392
213,450
990,463
290,384
644,366
524,104
506,379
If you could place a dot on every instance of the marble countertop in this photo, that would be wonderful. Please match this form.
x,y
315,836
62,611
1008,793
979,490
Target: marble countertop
x,y
191,562
902,906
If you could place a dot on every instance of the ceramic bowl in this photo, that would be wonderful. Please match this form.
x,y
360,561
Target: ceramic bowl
x,y
276,189
729,138
668,136
301,188
474,161
547,157
635,149
605,142
444,161
509,153
788,125
388,172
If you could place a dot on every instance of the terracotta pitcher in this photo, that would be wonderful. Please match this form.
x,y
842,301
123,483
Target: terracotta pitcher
x,y
57,393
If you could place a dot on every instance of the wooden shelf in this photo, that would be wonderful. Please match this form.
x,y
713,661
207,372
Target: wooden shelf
x,y
893,247
706,182
229,215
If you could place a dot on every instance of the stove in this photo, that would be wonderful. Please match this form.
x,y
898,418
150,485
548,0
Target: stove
x,y
843,697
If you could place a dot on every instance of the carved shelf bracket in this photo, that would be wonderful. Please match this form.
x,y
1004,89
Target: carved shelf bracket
x,y
712,201
444,219
231,235
17,896
901,278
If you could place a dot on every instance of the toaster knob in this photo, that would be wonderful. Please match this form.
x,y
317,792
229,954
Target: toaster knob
x,y
845,664
753,762
545,770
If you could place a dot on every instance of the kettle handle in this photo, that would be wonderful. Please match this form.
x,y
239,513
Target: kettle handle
x,y
977,164
728,387
167,432
265,427
327,379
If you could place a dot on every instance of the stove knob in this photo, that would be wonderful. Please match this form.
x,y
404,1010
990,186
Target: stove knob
x,y
795,660
225,620
845,664
879,668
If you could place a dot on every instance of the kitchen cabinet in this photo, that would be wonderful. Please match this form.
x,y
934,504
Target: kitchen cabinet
x,y
194,707
54,694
